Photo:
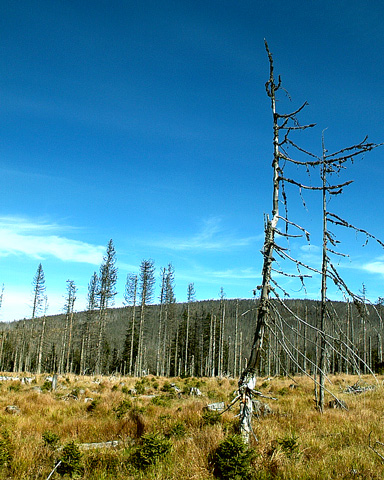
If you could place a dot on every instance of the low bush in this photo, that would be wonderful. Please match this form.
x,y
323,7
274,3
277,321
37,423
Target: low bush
x,y
153,448
50,439
289,445
123,407
210,417
5,450
232,459
70,460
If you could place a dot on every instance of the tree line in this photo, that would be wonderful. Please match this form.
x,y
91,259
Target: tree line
x,y
194,338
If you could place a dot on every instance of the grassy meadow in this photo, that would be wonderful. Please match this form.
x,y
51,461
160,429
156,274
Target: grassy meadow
x,y
163,434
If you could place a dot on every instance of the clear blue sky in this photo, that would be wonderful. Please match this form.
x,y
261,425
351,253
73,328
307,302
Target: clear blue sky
x,y
147,122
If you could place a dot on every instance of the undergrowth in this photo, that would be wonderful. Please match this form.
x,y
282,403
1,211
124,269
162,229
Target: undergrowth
x,y
165,433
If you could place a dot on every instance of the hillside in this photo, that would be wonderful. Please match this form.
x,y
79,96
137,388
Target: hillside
x,y
213,339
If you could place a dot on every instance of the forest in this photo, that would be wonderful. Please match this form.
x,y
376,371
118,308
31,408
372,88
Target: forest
x,y
198,339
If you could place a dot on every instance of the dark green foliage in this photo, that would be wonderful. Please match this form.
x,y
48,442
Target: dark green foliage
x,y
141,385
47,386
38,291
5,450
232,459
15,387
50,439
161,401
91,407
166,387
211,418
289,445
123,408
153,448
177,430
70,460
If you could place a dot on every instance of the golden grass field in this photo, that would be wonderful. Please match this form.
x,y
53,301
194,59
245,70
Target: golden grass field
x,y
295,442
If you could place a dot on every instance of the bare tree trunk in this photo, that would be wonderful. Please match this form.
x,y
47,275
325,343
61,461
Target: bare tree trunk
x,y
235,365
210,356
68,367
214,347
141,340
187,340
305,340
41,343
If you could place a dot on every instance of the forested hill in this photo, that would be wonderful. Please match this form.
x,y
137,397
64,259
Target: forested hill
x,y
204,338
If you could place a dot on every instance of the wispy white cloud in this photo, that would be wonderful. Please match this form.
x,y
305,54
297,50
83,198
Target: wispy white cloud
x,y
375,267
310,248
39,238
239,274
213,236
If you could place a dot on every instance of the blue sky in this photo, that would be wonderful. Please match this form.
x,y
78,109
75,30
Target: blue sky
x,y
147,122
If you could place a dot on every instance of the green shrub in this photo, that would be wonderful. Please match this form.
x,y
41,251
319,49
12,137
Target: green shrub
x,y
50,439
5,450
47,386
140,386
210,417
289,445
70,460
15,387
232,459
177,430
123,408
166,387
91,407
153,448
161,401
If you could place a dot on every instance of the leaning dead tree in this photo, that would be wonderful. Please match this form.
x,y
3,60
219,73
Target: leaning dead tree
x,y
283,125
268,314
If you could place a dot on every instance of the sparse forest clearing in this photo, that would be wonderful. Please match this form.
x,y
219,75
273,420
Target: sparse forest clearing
x,y
156,418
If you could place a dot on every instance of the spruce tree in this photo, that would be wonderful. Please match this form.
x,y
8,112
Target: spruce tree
x,y
38,291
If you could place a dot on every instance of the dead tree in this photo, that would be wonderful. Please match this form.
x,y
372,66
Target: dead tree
x,y
283,125
332,163
42,338
146,286
130,299
190,298
106,293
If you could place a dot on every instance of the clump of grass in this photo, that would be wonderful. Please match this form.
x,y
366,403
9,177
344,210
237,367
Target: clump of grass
x,y
103,463
15,387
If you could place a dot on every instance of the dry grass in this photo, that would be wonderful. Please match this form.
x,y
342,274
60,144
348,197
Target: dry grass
x,y
296,442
